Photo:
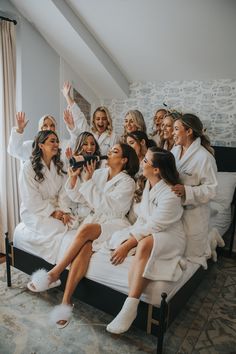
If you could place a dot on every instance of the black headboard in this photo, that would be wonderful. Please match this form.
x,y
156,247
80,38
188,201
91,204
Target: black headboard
x,y
225,158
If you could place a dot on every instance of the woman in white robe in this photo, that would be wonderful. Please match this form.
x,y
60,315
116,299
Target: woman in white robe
x,y
85,145
101,126
197,168
109,193
45,208
157,233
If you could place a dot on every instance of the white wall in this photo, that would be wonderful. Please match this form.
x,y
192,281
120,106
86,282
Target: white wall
x,y
38,67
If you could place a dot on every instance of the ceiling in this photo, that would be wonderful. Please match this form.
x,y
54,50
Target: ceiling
x,y
113,43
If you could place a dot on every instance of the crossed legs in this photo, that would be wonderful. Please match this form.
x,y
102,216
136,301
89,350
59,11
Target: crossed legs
x,y
85,233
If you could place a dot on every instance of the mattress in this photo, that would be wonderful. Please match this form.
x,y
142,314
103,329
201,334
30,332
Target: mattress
x,y
116,277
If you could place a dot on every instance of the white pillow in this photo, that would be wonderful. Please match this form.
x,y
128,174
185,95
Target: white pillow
x,y
225,190
221,205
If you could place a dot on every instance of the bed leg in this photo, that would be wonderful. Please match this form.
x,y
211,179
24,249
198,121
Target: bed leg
x,y
232,231
162,323
8,261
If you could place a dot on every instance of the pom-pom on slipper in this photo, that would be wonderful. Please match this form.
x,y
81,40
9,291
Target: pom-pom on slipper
x,y
61,315
40,281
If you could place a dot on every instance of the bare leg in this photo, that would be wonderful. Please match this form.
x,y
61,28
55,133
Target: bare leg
x,y
77,271
86,232
137,284
136,281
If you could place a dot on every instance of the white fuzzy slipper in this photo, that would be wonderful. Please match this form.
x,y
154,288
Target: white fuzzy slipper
x,y
61,315
40,281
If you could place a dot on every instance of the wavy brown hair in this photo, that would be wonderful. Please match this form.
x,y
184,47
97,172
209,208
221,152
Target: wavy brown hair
x,y
165,161
193,122
36,157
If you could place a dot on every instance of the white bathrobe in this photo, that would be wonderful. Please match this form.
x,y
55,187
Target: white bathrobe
x,y
159,215
41,234
105,140
109,202
197,169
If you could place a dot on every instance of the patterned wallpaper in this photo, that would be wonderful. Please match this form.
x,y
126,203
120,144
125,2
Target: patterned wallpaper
x,y
213,101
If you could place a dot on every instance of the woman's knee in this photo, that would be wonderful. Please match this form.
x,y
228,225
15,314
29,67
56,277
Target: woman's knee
x,y
88,232
144,247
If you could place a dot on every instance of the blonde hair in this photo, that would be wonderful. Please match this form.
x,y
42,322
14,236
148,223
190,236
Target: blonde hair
x,y
42,119
109,120
138,120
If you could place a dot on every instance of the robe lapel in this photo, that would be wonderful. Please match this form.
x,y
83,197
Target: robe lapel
x,y
181,163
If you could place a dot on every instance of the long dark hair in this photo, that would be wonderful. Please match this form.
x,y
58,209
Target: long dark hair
x,y
132,164
36,157
165,161
138,136
189,120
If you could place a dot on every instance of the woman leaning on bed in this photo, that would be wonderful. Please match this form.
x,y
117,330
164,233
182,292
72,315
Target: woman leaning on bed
x,y
197,168
157,233
109,192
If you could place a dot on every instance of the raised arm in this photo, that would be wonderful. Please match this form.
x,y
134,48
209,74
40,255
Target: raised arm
x,y
67,94
17,147
75,121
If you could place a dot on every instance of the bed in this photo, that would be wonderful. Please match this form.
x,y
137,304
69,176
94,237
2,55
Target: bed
x,y
161,301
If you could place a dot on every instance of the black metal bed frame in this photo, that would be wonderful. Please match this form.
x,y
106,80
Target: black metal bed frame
x,y
155,320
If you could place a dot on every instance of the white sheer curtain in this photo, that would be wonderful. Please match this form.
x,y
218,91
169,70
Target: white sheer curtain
x,y
9,199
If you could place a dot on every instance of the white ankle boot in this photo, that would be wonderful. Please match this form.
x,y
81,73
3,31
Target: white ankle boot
x,y
125,317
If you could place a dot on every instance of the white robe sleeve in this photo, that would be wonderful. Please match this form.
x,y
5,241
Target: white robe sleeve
x,y
206,188
167,212
80,121
30,194
64,201
19,148
117,200
74,193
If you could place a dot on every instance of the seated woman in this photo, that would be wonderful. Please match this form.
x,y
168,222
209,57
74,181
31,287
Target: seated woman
x,y
109,192
139,141
101,122
197,168
133,121
20,148
45,208
158,235
86,145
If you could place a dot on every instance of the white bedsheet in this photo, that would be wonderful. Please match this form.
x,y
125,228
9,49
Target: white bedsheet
x,y
116,277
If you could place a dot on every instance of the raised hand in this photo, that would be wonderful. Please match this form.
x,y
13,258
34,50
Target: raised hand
x,y
68,119
66,89
21,122
68,153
